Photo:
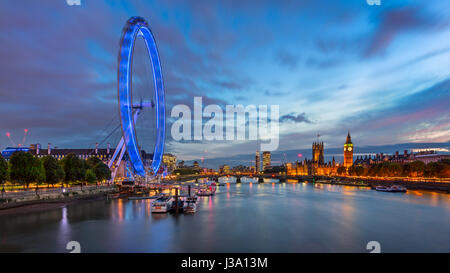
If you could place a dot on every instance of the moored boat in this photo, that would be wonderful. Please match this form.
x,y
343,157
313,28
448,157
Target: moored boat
x,y
190,204
246,179
205,192
393,188
227,179
113,195
271,180
162,204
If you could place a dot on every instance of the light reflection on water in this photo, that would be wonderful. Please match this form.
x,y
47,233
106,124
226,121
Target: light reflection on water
x,y
270,217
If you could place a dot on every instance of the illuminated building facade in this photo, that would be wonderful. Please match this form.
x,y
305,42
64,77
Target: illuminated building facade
x,y
266,160
317,153
224,168
315,166
101,153
170,161
407,157
242,169
104,154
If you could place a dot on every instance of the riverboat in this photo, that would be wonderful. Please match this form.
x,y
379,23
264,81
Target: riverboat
x,y
246,179
162,204
394,188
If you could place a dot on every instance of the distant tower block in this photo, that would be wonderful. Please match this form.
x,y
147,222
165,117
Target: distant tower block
x,y
257,162
348,152
266,160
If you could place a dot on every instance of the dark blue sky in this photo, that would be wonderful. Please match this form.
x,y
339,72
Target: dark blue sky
x,y
379,71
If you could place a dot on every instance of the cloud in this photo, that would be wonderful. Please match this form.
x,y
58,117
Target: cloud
x,y
395,22
323,64
418,59
233,84
421,116
275,93
287,59
296,118
59,66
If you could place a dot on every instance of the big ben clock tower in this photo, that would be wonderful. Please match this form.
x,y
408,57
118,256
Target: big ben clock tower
x,y
348,152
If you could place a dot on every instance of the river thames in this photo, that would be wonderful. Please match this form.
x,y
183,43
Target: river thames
x,y
269,217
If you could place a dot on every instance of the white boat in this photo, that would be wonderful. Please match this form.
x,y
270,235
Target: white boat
x,y
394,188
227,179
162,204
205,192
190,204
271,180
246,179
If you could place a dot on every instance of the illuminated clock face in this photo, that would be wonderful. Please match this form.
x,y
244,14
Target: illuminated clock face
x,y
350,148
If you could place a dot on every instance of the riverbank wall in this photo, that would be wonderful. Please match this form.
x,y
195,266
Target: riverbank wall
x,y
413,185
31,198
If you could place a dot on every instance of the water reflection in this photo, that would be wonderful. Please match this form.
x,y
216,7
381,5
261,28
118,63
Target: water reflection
x,y
297,217
64,230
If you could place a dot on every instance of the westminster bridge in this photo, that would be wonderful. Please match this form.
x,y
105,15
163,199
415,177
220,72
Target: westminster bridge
x,y
281,177
417,183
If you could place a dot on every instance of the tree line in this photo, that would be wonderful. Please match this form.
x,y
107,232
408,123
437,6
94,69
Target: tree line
x,y
24,168
440,169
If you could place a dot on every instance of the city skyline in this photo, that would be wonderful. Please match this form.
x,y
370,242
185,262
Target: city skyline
x,y
280,157
375,71
225,135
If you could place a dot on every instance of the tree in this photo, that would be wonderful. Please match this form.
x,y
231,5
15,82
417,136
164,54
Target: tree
x,y
438,169
102,171
356,170
359,170
275,169
384,169
37,171
185,171
395,169
351,170
74,168
431,169
90,176
406,169
445,172
24,168
341,170
374,170
60,173
54,172
92,161
3,170
417,168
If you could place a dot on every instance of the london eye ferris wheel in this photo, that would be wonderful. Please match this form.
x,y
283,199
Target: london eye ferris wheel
x,y
128,111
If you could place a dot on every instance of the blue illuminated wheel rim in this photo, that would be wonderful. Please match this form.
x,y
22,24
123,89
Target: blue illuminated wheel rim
x,y
137,26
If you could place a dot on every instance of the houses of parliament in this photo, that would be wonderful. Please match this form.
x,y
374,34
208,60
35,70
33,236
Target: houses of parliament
x,y
318,166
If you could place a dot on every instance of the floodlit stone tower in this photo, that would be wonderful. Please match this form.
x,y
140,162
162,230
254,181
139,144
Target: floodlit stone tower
x,y
348,152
